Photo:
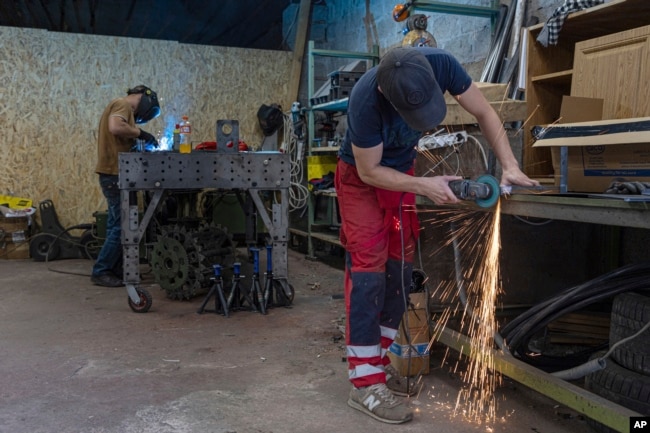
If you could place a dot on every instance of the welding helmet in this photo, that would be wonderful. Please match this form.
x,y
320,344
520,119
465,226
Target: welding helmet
x,y
148,108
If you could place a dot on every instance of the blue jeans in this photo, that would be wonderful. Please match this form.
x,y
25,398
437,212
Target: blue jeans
x,y
110,256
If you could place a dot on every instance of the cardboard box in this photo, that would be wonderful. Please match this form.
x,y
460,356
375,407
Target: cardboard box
x,y
609,150
14,251
14,229
409,353
575,109
418,300
578,109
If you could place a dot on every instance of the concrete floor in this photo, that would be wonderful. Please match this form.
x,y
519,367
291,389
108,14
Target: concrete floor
x,y
74,358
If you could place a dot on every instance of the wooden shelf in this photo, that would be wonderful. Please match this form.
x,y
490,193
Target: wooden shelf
x,y
559,77
612,17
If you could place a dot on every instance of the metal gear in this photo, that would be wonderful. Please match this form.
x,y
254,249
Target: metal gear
x,y
170,266
183,258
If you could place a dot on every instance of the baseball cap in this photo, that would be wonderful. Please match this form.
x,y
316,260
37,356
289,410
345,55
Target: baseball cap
x,y
406,79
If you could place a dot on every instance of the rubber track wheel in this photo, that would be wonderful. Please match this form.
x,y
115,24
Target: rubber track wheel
x,y
621,386
630,313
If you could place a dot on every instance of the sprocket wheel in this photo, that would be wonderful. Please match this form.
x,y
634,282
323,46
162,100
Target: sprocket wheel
x,y
170,265
195,250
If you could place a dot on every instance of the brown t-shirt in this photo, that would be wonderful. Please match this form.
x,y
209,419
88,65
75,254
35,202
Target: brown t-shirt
x,y
109,145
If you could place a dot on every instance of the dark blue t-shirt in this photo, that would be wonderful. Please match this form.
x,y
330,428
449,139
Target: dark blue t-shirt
x,y
373,120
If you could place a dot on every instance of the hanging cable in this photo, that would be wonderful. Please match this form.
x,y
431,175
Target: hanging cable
x,y
293,144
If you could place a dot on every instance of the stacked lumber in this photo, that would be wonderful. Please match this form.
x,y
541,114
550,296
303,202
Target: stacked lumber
x,y
581,328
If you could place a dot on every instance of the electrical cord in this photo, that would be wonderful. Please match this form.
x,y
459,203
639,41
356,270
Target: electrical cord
x,y
598,363
291,144
529,222
405,325
58,237
456,147
462,294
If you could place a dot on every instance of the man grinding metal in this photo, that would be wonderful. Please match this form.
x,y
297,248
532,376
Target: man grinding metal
x,y
389,109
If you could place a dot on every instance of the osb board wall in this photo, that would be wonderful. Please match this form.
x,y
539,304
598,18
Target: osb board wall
x,y
54,87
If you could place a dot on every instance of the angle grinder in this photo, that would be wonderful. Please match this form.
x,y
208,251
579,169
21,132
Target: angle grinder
x,y
484,190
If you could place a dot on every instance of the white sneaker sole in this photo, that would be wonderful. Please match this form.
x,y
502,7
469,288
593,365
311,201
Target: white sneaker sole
x,y
365,410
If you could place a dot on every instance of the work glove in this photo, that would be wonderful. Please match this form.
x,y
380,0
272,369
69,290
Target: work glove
x,y
148,138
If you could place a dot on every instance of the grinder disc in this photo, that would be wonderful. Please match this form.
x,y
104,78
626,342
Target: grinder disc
x,y
495,190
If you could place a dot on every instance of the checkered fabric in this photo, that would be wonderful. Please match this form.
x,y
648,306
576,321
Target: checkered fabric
x,y
551,31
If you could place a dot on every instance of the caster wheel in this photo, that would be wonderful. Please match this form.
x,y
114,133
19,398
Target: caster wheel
x,y
145,301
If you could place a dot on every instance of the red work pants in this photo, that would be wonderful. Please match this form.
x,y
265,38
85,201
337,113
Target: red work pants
x,y
380,244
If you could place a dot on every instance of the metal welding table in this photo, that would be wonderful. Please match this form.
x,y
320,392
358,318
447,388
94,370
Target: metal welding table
x,y
157,172
587,208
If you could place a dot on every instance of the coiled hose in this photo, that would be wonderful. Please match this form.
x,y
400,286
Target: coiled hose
x,y
518,332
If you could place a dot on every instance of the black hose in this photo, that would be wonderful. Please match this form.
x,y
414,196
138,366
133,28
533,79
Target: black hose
x,y
580,290
518,332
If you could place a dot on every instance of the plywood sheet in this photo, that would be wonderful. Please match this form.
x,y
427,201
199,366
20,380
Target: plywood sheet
x,y
54,87
508,111
493,92
615,68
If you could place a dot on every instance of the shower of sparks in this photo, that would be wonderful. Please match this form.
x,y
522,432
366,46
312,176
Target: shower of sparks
x,y
475,235
482,291
475,239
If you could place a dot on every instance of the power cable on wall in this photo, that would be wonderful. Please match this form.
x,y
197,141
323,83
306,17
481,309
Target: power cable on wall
x,y
293,144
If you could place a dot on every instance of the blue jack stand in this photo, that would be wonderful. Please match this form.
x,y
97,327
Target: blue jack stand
x,y
234,301
268,281
255,295
216,291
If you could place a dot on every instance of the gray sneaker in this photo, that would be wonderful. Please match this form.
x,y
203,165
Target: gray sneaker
x,y
398,384
378,402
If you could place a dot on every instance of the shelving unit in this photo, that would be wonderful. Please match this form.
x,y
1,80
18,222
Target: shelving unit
x,y
551,73
336,106
340,105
